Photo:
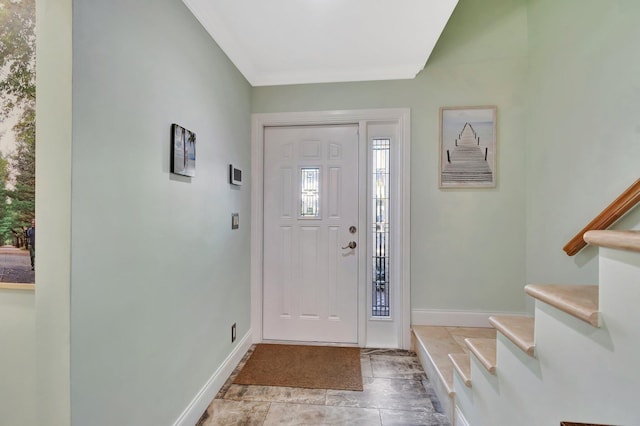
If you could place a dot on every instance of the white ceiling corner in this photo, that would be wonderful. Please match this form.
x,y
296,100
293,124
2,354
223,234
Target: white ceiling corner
x,y
279,42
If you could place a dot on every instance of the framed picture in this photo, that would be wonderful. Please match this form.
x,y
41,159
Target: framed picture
x,y
235,175
468,147
183,151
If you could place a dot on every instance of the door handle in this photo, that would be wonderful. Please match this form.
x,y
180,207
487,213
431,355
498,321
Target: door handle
x,y
351,245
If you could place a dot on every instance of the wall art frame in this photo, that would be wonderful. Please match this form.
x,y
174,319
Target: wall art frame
x,y
183,151
467,140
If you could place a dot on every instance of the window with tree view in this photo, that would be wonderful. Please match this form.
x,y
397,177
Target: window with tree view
x,y
17,140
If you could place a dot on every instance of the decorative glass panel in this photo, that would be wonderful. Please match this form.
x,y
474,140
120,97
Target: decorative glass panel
x,y
310,192
380,220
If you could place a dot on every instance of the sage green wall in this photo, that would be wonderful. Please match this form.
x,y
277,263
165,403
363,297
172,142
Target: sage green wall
x,y
467,246
17,358
157,276
583,127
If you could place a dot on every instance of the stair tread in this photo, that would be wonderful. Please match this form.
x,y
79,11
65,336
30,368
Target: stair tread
x,y
462,363
485,351
518,329
581,301
623,240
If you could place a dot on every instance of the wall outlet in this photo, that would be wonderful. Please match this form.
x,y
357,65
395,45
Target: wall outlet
x,y
233,332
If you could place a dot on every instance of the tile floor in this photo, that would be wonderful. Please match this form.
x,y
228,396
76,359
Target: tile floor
x,y
396,392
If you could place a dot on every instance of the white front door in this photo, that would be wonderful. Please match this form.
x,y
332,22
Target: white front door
x,y
310,269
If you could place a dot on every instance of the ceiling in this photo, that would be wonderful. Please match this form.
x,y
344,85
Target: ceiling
x,y
274,42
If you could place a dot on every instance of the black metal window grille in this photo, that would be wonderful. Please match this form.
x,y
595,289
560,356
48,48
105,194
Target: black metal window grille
x,y
380,220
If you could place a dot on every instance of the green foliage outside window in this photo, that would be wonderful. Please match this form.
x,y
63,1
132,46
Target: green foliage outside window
x,y
17,102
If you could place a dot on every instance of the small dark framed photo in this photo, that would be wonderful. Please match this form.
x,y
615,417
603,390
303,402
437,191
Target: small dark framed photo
x,y
183,151
235,175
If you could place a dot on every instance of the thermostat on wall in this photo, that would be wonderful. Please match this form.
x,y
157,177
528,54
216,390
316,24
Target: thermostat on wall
x,y
235,175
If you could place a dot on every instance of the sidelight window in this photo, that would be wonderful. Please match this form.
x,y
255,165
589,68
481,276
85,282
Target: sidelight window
x,y
380,227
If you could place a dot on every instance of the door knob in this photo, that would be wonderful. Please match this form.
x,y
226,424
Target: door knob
x,y
351,245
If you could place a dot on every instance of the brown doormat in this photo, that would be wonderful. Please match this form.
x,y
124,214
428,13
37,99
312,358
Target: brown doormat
x,y
313,367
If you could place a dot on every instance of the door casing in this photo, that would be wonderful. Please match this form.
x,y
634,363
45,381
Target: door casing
x,y
400,248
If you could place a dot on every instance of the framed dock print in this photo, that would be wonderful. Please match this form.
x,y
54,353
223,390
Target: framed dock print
x,y
183,151
468,147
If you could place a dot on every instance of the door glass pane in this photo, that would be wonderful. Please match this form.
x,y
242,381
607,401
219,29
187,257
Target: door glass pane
x,y
380,221
310,192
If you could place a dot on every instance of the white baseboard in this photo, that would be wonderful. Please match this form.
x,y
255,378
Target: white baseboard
x,y
460,420
454,318
194,410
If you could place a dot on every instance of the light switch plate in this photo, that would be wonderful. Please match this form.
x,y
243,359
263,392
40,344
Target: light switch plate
x,y
235,220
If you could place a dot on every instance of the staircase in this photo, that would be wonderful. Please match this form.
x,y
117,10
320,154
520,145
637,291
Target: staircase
x,y
577,360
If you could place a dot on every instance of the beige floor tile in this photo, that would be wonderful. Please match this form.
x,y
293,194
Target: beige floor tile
x,y
276,394
365,365
412,418
396,394
298,414
393,367
224,413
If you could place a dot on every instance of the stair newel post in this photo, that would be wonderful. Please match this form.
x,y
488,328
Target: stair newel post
x,y
448,157
486,151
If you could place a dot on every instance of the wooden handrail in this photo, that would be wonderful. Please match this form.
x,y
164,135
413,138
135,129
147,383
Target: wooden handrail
x,y
618,208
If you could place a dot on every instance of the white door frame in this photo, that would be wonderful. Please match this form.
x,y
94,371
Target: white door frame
x,y
400,221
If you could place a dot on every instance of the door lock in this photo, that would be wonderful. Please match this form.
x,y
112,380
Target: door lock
x,y
352,229
351,245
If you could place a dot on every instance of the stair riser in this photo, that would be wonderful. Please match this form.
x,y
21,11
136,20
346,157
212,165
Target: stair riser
x,y
464,399
446,401
485,393
619,278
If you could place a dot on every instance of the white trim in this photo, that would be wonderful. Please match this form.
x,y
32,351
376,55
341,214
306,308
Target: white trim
x,y
459,419
257,231
455,318
405,226
327,75
201,401
259,122
363,155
